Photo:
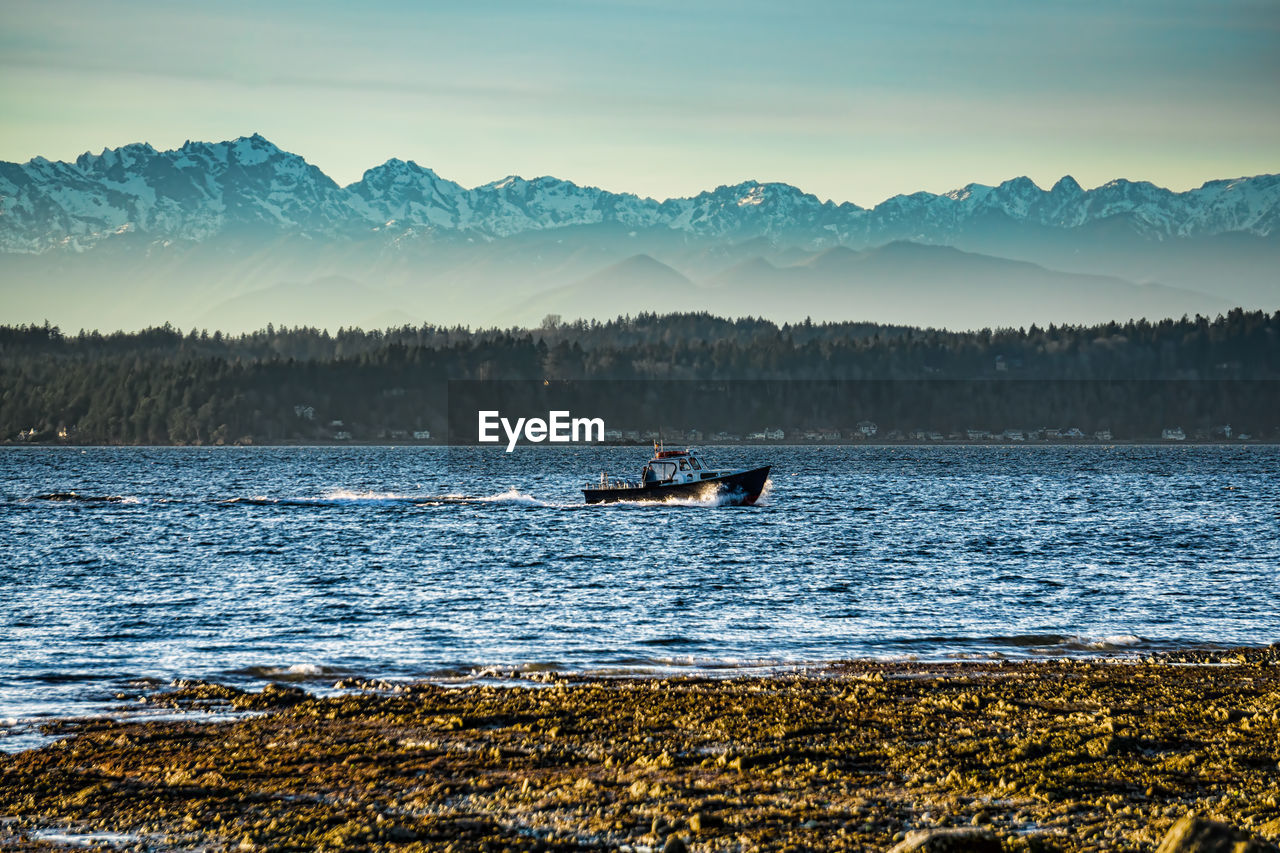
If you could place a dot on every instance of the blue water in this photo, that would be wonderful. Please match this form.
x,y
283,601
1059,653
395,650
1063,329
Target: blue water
x,y
244,564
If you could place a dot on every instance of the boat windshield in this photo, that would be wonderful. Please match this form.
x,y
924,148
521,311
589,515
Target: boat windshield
x,y
664,470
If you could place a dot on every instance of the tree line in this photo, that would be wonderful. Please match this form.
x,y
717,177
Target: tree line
x,y
166,386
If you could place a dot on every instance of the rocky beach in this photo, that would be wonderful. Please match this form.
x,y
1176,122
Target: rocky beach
x,y
1058,755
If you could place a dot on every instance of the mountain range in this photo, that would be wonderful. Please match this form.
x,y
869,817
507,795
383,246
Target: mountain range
x,y
236,234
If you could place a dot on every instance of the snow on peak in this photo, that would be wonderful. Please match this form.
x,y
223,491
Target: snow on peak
x,y
755,195
253,150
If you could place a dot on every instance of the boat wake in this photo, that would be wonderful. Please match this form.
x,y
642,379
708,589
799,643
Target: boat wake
x,y
76,497
711,500
336,498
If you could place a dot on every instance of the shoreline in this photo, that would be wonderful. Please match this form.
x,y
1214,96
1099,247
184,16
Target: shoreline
x,y
1044,755
1082,442
114,700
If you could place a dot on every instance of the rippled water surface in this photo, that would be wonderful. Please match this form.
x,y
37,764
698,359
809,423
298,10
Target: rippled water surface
x,y
266,563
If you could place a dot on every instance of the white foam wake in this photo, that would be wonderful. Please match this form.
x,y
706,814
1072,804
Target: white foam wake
x,y
370,496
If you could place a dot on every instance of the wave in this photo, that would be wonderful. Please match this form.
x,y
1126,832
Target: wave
x,y
1110,641
1031,646
292,672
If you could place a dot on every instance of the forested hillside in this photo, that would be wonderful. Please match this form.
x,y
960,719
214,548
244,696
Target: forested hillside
x,y
164,386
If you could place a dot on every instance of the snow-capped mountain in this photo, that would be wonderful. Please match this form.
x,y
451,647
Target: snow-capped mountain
x,y
203,190
192,193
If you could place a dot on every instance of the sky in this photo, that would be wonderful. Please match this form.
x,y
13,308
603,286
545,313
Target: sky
x,y
852,101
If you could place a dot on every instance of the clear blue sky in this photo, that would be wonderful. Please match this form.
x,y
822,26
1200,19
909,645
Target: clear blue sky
x,y
850,100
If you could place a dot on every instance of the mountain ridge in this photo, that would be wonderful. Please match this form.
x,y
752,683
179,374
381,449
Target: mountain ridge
x,y
241,233
204,190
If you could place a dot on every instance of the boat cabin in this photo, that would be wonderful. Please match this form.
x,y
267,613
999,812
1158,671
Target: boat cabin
x,y
666,468
674,466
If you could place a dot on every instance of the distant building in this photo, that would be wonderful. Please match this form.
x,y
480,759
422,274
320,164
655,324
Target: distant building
x,y
1073,433
868,429
1103,435
1005,364
977,434
774,435
307,413
1173,434
341,435
422,434
1013,435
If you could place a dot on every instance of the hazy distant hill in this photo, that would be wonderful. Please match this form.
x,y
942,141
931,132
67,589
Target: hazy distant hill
x,y
898,283
241,233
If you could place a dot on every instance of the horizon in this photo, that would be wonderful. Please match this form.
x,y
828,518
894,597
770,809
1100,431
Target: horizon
x,y
855,104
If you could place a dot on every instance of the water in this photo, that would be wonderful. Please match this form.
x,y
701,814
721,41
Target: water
x,y
247,564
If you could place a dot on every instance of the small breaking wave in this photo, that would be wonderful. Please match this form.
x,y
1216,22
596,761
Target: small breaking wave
x,y
1021,646
292,672
1111,641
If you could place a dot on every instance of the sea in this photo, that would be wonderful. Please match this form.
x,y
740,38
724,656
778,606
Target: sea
x,y
125,568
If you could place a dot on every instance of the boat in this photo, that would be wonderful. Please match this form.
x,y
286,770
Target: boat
x,y
680,474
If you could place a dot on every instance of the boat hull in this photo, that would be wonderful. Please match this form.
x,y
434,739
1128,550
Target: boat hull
x,y
740,487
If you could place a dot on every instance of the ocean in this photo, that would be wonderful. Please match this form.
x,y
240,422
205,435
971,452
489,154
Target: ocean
x,y
122,567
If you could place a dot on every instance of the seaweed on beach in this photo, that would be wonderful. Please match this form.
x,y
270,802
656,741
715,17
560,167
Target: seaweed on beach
x,y
1031,756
